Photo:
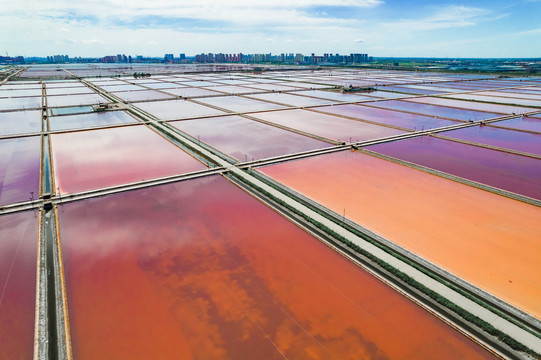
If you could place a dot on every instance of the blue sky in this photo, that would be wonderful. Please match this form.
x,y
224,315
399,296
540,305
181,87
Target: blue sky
x,y
478,28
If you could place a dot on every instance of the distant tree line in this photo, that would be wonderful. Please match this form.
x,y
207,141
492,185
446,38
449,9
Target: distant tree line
x,y
141,75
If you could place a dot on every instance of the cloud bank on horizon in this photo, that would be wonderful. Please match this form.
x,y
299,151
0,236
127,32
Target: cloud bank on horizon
x,y
421,28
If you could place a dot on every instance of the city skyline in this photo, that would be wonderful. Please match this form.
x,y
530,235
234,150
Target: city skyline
x,y
380,28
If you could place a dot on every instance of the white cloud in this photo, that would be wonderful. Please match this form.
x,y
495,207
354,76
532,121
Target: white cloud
x,y
280,20
529,32
101,27
236,4
205,16
227,10
445,17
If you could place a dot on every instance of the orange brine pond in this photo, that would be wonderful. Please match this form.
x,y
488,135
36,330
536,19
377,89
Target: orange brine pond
x,y
18,262
201,270
486,239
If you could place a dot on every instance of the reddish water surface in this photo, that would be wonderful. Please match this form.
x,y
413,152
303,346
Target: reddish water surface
x,y
201,270
470,232
495,108
508,139
18,257
434,110
516,173
521,123
245,139
388,117
101,158
328,126
19,169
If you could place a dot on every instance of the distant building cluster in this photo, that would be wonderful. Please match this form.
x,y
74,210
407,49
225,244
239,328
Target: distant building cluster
x,y
283,58
12,60
58,59
119,58
220,58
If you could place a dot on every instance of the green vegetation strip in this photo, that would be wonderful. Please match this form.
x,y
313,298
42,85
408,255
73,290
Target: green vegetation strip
x,y
469,317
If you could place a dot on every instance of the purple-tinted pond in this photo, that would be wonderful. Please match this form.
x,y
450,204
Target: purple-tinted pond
x,y
496,108
177,109
328,126
240,104
521,123
19,169
408,90
338,96
515,173
245,139
18,257
434,110
388,117
292,100
508,139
